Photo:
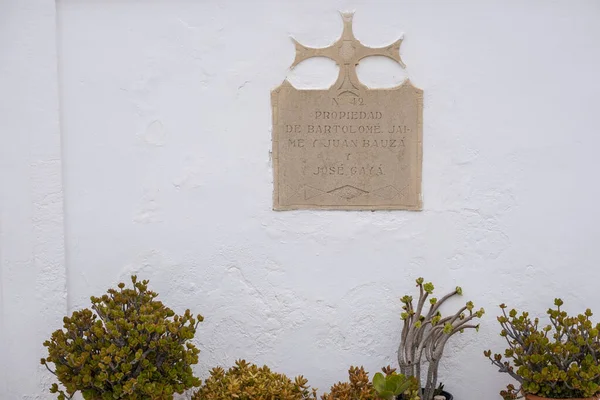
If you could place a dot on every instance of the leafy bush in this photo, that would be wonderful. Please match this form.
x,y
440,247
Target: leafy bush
x,y
560,360
386,386
246,381
129,347
425,333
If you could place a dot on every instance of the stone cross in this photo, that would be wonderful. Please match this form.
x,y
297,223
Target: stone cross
x,y
347,52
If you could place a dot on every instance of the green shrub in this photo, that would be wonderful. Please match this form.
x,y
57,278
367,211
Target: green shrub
x,y
128,346
246,381
560,360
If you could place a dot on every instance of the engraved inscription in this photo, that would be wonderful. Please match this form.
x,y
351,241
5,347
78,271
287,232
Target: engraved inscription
x,y
348,147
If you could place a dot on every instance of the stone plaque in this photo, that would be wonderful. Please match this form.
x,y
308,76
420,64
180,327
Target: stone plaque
x,y
348,147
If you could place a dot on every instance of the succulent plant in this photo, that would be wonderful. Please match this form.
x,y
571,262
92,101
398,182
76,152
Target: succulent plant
x,y
559,360
392,385
128,346
246,381
425,333
358,387
386,386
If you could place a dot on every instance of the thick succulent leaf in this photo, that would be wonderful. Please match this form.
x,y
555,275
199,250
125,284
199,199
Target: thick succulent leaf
x,y
379,382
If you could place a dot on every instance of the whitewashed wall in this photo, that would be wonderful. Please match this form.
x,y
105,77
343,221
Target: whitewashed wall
x,y
152,120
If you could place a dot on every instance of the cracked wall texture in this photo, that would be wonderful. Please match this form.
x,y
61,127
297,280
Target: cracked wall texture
x,y
162,156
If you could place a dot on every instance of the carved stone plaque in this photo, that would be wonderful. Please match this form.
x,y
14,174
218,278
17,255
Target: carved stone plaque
x,y
348,147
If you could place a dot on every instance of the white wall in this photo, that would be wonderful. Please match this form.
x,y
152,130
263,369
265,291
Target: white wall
x,y
32,243
165,130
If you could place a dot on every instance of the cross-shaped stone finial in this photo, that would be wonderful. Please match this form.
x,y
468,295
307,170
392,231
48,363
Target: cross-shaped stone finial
x,y
347,52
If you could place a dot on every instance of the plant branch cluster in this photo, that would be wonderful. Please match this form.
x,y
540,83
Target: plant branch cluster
x,y
558,360
425,332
